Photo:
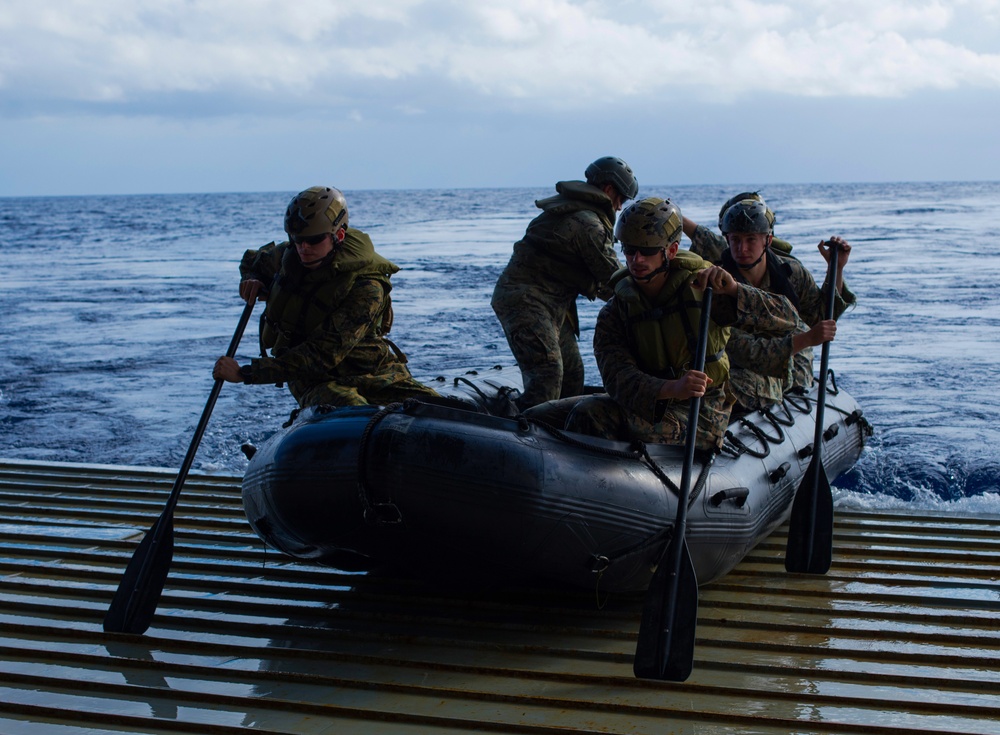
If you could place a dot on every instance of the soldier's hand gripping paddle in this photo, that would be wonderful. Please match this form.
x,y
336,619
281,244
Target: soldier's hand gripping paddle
x,y
134,603
665,649
810,527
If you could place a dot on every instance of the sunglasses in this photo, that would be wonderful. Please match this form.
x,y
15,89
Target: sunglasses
x,y
647,252
309,240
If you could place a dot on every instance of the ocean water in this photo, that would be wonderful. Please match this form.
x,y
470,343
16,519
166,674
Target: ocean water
x,y
114,309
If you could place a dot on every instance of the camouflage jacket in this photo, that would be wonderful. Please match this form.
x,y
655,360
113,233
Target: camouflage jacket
x,y
340,312
710,246
636,391
566,250
769,355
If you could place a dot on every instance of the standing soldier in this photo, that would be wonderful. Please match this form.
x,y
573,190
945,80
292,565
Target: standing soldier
x,y
328,311
567,250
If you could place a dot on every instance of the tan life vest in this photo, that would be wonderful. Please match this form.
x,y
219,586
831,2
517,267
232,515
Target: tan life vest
x,y
663,332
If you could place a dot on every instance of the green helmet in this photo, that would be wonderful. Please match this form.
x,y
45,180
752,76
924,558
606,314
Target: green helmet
x,y
649,223
740,197
614,171
746,215
319,210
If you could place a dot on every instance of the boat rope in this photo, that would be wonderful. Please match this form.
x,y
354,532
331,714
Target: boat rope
x,y
383,511
600,562
773,420
796,398
637,451
738,447
633,452
503,404
789,420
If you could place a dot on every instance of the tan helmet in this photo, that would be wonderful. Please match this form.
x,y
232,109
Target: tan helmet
x,y
746,195
649,223
318,210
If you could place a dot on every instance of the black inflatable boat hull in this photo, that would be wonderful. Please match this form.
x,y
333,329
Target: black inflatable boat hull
x,y
428,484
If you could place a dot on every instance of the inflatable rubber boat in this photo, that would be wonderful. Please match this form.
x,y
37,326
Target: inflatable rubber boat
x,y
449,482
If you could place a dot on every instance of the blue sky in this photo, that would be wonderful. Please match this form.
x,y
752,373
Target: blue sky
x,y
134,96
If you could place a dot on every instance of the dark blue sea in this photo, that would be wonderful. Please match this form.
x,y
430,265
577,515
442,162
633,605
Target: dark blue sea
x,y
114,308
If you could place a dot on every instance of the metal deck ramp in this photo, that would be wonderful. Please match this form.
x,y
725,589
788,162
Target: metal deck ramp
x,y
900,636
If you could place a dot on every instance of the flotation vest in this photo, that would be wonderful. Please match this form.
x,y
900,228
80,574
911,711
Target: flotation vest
x,y
300,299
663,331
576,196
544,248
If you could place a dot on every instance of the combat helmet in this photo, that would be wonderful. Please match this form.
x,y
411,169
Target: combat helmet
x,y
740,197
649,223
746,215
319,210
614,171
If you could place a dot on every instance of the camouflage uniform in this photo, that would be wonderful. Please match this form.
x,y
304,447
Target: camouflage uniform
x,y
763,366
326,326
631,409
566,251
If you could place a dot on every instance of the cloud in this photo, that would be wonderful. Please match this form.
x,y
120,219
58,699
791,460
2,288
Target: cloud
x,y
363,59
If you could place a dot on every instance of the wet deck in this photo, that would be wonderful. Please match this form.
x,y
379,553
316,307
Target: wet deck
x,y
900,636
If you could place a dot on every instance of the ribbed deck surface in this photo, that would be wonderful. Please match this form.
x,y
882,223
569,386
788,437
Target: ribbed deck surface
x,y
900,636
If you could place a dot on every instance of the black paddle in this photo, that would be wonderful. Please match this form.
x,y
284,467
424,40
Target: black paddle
x,y
139,591
665,649
810,528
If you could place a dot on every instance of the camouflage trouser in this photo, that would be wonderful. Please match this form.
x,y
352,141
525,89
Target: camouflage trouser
x,y
362,390
547,353
601,415
754,390
554,413
802,369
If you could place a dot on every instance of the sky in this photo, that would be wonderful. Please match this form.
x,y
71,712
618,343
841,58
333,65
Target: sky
x,y
158,96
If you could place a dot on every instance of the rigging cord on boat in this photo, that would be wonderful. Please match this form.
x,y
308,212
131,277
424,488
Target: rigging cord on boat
x,y
382,511
600,562
637,451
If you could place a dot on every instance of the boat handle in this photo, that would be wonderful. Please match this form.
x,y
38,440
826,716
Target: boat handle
x,y
738,495
780,472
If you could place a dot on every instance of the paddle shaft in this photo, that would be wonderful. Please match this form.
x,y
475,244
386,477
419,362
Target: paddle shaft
x,y
805,517
669,651
824,360
135,587
678,540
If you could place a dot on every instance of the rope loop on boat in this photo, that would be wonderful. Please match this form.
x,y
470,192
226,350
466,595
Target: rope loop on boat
x,y
381,511
831,387
738,447
792,398
774,418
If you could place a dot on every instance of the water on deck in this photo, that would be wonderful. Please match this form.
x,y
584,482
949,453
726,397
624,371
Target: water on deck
x,y
900,636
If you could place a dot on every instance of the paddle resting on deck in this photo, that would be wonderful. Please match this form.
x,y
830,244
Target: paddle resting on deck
x,y
665,649
810,527
134,603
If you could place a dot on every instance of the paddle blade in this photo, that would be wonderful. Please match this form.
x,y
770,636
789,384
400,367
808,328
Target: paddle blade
x,y
810,526
134,603
665,649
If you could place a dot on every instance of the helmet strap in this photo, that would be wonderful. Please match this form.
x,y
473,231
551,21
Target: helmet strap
x,y
655,272
754,264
